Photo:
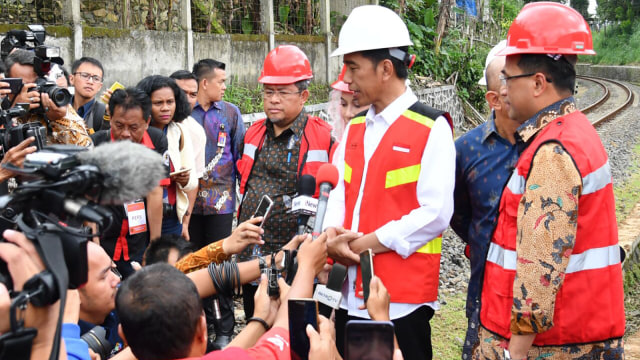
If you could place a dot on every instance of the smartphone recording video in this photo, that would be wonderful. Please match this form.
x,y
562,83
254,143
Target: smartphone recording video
x,y
366,266
301,313
263,209
368,340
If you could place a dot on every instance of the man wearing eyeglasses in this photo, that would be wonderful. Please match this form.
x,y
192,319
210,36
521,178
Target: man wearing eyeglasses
x,y
86,77
280,149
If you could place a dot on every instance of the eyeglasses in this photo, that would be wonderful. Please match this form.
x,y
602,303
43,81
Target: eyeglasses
x,y
268,93
86,76
114,270
504,79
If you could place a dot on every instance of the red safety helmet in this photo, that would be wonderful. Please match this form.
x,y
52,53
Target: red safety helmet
x,y
286,64
339,84
549,28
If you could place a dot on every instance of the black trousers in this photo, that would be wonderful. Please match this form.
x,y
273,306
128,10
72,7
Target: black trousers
x,y
412,331
203,230
248,292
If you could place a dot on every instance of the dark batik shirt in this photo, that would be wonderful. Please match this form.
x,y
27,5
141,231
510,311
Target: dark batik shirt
x,y
484,162
275,173
217,188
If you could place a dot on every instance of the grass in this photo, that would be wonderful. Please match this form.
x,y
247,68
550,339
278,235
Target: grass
x,y
628,194
448,327
618,45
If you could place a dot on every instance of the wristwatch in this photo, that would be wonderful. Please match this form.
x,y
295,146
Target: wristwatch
x,y
507,356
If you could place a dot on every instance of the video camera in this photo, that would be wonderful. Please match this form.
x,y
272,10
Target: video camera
x,y
50,210
47,61
13,134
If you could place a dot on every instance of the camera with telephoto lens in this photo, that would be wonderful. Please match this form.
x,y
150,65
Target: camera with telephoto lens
x,y
47,61
96,338
12,134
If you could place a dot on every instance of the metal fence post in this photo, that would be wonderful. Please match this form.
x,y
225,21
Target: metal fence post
x,y
185,23
266,9
325,25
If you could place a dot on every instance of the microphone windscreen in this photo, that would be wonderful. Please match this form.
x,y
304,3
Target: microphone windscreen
x,y
131,170
307,185
327,173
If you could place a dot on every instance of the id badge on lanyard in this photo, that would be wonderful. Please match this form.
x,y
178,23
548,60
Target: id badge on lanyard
x,y
222,137
137,217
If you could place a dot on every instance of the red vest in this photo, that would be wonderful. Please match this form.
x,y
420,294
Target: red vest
x,y
389,193
589,306
315,147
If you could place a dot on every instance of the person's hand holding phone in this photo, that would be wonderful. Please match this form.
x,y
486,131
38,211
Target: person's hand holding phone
x,y
266,307
323,342
378,303
15,156
181,177
245,234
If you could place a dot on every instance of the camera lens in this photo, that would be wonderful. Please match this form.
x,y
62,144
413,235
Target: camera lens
x,y
60,96
96,338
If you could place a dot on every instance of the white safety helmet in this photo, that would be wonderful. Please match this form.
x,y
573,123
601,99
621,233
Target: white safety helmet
x,y
490,57
371,27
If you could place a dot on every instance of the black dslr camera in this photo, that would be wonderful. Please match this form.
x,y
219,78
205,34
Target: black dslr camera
x,y
12,135
46,64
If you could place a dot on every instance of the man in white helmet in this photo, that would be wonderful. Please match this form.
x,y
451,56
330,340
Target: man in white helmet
x,y
395,192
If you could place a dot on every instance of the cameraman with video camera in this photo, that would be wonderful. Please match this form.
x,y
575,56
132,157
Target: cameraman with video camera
x,y
39,66
24,263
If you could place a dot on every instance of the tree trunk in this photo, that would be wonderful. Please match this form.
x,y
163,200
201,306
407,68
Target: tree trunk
x,y
443,17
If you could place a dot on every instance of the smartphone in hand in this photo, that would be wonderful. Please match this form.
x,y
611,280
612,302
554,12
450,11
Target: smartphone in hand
x,y
264,208
366,267
15,84
366,339
301,313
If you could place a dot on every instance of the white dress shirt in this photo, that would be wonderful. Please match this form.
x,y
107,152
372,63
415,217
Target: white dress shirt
x,y
434,193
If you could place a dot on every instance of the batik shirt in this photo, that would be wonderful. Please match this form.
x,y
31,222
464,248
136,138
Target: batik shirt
x,y
224,128
484,162
556,181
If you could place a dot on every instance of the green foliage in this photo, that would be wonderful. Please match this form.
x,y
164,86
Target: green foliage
x,y
249,99
503,12
616,45
456,59
581,6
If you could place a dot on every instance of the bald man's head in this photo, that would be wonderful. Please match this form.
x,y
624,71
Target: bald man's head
x,y
493,73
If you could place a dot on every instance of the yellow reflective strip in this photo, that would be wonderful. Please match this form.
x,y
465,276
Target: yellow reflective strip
x,y
419,118
347,173
402,176
432,247
358,120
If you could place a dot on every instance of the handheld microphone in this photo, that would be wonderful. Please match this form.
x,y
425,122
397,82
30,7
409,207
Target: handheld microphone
x,y
330,296
327,178
130,170
304,205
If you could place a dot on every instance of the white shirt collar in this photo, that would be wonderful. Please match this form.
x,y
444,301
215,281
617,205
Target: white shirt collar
x,y
393,110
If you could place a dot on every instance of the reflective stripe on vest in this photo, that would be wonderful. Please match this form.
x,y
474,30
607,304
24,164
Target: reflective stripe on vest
x,y
402,176
419,118
347,173
591,183
358,120
250,150
591,259
318,156
432,247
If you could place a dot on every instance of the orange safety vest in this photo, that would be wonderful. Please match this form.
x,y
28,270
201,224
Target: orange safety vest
x,y
315,148
589,306
390,192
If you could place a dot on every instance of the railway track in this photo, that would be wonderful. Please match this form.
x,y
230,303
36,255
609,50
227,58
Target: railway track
x,y
616,97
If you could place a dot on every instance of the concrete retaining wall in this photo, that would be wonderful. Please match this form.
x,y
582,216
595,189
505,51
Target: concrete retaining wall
x,y
623,73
